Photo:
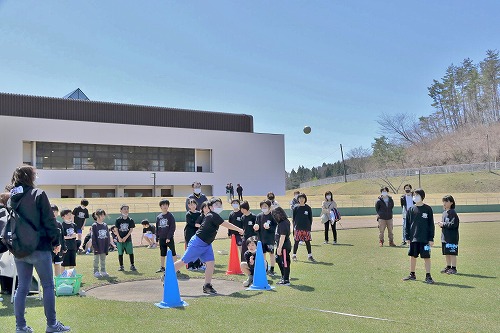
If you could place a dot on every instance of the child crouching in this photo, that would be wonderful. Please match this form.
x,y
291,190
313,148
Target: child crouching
x,y
248,265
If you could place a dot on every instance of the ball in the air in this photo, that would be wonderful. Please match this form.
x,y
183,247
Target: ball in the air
x,y
307,129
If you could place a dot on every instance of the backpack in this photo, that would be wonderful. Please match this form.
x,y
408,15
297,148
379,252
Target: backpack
x,y
335,215
19,235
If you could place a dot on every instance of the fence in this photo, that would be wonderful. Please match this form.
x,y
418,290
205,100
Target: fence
x,y
406,173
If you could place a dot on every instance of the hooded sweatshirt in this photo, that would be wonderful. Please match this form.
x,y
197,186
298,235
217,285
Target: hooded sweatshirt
x,y
34,206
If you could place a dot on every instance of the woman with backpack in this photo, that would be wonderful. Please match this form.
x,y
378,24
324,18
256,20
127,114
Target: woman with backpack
x,y
33,208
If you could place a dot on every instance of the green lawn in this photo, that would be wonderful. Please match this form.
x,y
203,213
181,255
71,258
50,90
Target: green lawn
x,y
355,277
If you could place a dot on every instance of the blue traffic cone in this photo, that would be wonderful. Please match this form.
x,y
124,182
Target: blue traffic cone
x,y
171,294
259,274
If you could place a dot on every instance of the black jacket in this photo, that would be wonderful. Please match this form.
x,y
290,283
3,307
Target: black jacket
x,y
34,206
384,211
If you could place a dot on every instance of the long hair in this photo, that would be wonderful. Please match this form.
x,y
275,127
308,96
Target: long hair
x,y
279,214
24,175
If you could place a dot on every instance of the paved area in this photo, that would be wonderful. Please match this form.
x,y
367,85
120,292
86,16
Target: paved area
x,y
151,291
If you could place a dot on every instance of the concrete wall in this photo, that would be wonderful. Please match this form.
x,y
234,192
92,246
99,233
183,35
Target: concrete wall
x,y
242,165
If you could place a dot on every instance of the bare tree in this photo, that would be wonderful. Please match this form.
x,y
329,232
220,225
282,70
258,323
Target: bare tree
x,y
400,127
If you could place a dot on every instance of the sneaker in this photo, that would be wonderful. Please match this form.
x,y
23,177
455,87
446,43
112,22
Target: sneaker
x,y
391,244
26,329
192,269
132,268
452,270
429,280
410,278
445,270
334,242
283,282
311,259
325,242
97,274
271,273
202,268
152,246
121,269
294,258
381,243
80,251
403,243
209,289
161,270
58,327
87,252
104,274
248,281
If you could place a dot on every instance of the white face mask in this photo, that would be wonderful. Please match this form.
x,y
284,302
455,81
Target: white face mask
x,y
235,206
384,193
218,210
328,197
417,198
264,210
197,190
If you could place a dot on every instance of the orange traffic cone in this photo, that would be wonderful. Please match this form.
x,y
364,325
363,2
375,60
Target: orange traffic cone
x,y
234,259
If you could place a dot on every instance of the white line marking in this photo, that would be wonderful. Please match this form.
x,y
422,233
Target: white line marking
x,y
349,314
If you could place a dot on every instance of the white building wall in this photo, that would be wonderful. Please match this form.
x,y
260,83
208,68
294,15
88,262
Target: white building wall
x,y
255,160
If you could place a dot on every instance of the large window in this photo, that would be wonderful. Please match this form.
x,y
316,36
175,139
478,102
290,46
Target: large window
x,y
75,156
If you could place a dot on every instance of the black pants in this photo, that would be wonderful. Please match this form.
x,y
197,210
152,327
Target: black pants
x,y
334,230
296,246
164,246
283,261
240,197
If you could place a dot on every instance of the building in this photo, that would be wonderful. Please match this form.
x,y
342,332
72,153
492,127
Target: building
x,y
84,148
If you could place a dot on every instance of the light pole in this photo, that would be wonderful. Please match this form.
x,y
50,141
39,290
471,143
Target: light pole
x,y
418,173
153,175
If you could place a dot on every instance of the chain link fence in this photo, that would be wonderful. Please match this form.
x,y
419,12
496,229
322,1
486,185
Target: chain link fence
x,y
406,173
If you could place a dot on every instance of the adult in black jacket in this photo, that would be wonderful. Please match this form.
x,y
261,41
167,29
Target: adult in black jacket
x,y
384,206
33,205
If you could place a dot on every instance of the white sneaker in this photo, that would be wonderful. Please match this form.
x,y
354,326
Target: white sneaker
x,y
104,274
294,257
325,242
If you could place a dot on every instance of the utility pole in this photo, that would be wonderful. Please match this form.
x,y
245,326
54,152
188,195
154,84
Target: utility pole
x,y
488,146
343,163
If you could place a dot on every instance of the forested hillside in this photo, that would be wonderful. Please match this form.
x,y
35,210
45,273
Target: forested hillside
x,y
463,127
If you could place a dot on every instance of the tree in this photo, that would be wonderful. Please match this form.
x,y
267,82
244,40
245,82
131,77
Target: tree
x,y
387,154
357,159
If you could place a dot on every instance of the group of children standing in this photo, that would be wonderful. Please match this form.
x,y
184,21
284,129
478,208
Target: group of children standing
x,y
271,226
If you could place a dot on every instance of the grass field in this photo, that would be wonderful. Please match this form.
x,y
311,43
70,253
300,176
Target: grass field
x,y
355,277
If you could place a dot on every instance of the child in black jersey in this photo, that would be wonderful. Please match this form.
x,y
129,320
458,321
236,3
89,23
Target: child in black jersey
x,y
70,235
249,225
302,222
193,222
81,214
283,244
100,242
165,229
200,245
57,258
266,227
449,235
148,234
235,218
419,232
248,265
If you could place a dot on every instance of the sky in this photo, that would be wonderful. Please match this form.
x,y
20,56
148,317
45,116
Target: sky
x,y
335,66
